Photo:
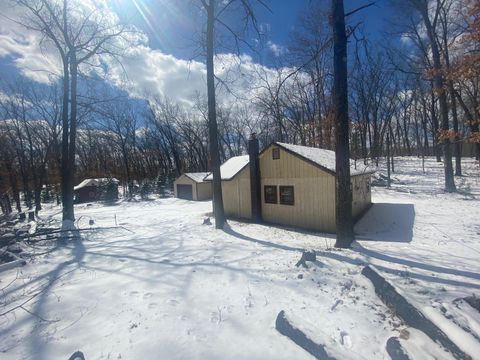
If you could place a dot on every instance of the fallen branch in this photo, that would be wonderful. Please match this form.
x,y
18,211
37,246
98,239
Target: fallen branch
x,y
38,316
15,261
60,231
36,294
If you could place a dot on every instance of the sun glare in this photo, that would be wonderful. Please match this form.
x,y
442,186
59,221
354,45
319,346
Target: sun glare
x,y
160,19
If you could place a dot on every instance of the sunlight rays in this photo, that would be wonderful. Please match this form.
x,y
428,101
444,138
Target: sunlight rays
x,y
162,20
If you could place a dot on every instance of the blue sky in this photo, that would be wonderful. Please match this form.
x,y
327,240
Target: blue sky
x,y
170,24
163,67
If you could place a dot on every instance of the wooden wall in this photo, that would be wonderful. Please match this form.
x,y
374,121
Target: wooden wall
x,y
314,192
236,195
204,190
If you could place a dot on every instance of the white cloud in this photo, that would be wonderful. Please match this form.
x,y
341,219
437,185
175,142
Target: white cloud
x,y
143,71
33,61
276,49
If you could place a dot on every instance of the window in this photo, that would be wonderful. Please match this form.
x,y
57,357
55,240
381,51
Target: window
x,y
270,194
275,153
286,195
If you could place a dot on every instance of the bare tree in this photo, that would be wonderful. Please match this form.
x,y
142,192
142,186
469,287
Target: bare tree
x,y
79,34
430,18
343,203
214,10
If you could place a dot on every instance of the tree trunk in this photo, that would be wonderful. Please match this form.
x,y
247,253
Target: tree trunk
x,y
471,120
453,103
14,185
38,199
26,190
8,204
68,211
388,160
212,122
435,126
457,147
343,208
65,168
424,127
439,83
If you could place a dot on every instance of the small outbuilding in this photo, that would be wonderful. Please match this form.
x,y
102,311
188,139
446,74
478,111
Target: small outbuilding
x,y
289,185
94,189
192,186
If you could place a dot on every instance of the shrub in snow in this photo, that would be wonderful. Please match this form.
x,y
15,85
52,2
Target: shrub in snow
x,y
145,190
46,196
111,191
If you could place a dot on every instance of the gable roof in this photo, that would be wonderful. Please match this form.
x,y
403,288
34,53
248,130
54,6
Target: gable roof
x,y
197,176
325,159
95,182
231,167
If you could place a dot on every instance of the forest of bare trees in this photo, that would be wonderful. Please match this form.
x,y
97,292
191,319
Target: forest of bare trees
x,y
422,92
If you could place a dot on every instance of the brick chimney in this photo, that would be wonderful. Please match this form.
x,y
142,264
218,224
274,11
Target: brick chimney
x,y
255,188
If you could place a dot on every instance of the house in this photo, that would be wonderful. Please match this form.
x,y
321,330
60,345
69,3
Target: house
x,y
292,185
94,189
192,186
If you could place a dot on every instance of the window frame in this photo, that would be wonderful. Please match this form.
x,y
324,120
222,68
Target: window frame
x,y
265,194
282,202
275,153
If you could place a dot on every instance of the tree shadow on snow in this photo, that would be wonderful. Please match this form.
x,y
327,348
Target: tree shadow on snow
x,y
38,345
236,234
421,265
387,222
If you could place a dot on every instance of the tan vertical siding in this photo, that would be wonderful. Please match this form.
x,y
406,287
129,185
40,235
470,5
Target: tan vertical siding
x,y
236,195
204,191
314,192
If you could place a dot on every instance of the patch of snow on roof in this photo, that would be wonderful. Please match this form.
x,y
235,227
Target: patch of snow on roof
x,y
95,182
322,157
231,167
197,177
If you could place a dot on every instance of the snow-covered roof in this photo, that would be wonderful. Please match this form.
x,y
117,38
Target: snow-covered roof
x,y
323,158
95,182
197,177
231,167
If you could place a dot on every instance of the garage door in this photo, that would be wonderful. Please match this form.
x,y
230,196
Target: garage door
x,y
184,192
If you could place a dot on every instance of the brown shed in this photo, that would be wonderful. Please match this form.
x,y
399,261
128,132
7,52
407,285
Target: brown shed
x,y
192,186
296,187
93,189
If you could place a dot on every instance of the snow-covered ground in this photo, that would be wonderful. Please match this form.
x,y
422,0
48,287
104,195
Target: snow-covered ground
x,y
161,285
430,248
